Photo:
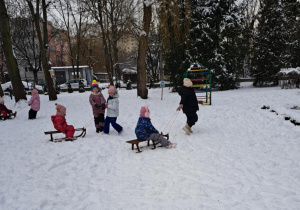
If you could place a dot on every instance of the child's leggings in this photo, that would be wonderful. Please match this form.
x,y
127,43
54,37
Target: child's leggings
x,y
114,124
159,138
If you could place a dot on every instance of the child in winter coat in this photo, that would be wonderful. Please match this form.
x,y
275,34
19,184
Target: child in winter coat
x,y
97,102
5,113
145,130
112,111
34,103
59,121
188,104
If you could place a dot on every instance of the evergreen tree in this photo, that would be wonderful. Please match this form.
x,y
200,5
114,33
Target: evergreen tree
x,y
291,10
269,44
215,39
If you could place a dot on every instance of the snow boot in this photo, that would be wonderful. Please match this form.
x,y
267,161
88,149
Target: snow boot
x,y
187,128
171,146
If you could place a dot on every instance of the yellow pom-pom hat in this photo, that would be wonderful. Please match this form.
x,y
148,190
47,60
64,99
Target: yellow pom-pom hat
x,y
95,85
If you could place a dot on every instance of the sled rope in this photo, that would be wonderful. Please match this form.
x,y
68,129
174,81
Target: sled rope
x,y
89,122
172,120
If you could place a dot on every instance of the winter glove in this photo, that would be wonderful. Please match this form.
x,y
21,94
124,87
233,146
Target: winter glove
x,y
180,107
97,106
106,105
103,106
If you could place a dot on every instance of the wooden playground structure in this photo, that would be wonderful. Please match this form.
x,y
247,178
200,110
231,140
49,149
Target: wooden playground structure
x,y
201,78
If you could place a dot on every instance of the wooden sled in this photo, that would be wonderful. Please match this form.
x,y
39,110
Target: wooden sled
x,y
64,139
82,134
137,141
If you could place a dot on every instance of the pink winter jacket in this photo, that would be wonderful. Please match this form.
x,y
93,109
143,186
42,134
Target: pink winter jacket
x,y
35,102
100,101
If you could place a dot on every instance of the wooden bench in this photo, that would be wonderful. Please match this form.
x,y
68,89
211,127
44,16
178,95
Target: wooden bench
x,y
76,129
137,141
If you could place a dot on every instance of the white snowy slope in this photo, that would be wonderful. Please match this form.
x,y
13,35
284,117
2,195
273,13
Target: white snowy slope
x,y
239,156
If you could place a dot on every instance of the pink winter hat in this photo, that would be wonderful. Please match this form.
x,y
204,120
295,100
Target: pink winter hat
x,y
61,110
34,91
111,89
145,112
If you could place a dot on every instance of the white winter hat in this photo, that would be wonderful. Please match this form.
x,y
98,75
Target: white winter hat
x,y
187,82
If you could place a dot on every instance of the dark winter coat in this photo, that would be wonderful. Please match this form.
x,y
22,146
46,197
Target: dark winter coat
x,y
144,128
100,101
188,99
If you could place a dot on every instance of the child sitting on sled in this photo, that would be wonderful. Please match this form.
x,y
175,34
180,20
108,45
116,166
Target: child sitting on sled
x,y
59,122
5,113
145,130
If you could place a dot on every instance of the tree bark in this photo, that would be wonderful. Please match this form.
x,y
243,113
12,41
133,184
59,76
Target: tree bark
x,y
105,44
46,66
43,40
142,90
11,61
1,91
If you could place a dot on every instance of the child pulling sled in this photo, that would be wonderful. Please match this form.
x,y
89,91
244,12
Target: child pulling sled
x,y
188,104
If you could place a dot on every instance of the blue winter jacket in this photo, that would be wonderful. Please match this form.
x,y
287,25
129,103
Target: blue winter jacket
x,y
144,128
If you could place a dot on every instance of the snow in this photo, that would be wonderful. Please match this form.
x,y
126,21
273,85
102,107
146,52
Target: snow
x,y
143,33
129,71
68,67
148,2
239,155
290,70
25,84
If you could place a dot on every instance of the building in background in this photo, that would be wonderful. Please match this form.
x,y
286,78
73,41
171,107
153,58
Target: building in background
x,y
63,74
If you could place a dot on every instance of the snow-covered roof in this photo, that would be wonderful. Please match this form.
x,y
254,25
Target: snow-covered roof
x,y
195,65
129,71
68,67
290,70
101,73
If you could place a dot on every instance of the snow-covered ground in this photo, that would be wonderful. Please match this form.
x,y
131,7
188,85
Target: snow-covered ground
x,y
239,156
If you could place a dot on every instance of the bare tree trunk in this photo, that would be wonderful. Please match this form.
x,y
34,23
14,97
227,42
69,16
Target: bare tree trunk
x,y
142,90
43,43
11,61
1,91
2,62
116,60
105,44
46,66
35,76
